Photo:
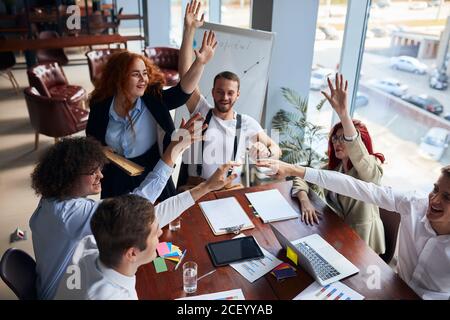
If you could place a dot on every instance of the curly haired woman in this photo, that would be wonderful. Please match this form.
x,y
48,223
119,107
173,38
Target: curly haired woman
x,y
129,112
350,152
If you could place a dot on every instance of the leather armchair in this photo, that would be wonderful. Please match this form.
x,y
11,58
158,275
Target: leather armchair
x,y
51,55
53,117
167,60
97,60
50,81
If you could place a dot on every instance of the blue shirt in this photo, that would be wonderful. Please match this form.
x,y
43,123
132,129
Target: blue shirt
x,y
123,139
58,225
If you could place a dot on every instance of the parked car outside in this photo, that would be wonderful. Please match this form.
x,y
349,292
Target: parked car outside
x,y
410,64
319,78
361,100
418,5
391,85
379,32
434,143
438,79
425,102
330,32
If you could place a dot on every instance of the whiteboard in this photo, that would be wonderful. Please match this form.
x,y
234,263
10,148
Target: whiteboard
x,y
245,52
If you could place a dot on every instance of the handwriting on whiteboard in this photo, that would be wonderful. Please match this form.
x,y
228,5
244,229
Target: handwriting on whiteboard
x,y
234,45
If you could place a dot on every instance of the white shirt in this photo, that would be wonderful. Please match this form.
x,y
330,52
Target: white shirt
x,y
89,279
219,142
424,256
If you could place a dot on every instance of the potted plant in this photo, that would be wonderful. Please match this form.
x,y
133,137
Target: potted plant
x,y
298,136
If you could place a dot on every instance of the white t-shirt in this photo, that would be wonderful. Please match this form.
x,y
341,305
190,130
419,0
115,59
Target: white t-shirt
x,y
88,279
219,142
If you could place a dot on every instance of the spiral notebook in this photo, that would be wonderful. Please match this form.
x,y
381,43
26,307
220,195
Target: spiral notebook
x,y
223,215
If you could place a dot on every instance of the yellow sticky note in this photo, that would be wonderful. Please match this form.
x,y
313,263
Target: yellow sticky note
x,y
291,255
173,259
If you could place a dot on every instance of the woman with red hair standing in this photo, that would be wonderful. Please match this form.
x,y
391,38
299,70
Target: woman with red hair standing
x,y
130,114
349,151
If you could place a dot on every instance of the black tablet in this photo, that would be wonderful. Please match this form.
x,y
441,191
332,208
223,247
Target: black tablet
x,y
234,250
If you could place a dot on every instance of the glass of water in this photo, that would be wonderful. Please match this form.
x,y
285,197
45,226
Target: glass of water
x,y
190,277
175,225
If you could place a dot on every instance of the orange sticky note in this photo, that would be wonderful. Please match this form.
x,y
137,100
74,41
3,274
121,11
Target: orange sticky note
x,y
292,255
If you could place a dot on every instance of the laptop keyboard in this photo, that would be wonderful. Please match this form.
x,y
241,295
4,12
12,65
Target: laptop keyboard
x,y
321,267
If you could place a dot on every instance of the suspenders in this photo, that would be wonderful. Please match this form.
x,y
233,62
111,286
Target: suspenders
x,y
236,139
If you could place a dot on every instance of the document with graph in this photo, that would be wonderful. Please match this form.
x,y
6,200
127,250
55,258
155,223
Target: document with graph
x,y
254,269
235,294
333,291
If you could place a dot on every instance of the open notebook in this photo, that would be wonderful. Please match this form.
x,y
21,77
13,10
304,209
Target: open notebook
x,y
271,205
225,214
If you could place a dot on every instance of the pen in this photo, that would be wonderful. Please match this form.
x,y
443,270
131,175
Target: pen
x,y
181,259
206,274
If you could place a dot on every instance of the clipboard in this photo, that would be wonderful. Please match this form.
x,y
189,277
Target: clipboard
x,y
131,168
224,215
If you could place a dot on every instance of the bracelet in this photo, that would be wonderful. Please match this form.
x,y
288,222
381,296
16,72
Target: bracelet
x,y
352,138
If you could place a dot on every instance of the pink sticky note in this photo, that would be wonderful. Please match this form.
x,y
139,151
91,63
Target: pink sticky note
x,y
162,249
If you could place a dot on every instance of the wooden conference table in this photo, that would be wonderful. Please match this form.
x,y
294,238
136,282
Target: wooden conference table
x,y
195,233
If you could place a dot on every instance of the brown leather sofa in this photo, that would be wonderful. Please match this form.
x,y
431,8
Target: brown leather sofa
x,y
50,81
97,60
51,55
53,117
167,60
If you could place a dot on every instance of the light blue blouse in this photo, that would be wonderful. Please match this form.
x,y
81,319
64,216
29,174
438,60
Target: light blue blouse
x,y
127,141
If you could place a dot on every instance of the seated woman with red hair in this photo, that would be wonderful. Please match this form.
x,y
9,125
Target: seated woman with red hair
x,y
349,151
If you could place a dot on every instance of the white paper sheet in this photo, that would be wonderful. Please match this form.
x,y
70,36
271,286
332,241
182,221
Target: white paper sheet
x,y
235,294
225,213
334,291
255,269
271,205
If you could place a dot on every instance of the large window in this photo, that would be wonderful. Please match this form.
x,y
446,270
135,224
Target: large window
x,y
236,13
396,100
232,12
327,52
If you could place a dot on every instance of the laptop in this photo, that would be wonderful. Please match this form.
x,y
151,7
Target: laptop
x,y
318,257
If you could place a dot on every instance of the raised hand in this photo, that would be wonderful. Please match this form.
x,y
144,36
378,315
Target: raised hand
x,y
338,95
188,133
206,52
191,15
